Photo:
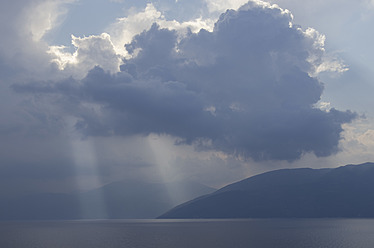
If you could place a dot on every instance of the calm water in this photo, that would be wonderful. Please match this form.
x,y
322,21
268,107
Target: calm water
x,y
298,233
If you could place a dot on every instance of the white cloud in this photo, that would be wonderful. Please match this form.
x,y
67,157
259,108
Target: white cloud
x,y
332,17
124,29
61,57
358,142
319,58
107,50
367,139
223,5
25,23
43,16
325,106
91,51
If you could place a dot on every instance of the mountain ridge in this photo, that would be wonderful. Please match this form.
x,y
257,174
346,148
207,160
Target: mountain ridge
x,y
346,191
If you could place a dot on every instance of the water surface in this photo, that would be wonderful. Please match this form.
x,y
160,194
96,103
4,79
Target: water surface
x,y
256,233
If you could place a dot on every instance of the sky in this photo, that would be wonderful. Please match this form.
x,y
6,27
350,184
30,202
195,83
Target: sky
x,y
212,91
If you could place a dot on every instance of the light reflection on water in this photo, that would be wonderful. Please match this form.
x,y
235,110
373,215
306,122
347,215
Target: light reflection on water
x,y
256,233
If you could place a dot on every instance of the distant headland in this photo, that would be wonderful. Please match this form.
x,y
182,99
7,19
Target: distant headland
x,y
346,191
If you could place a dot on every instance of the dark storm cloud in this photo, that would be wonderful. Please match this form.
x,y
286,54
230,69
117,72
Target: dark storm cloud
x,y
243,89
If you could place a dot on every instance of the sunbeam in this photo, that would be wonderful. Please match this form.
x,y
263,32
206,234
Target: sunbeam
x,y
92,206
164,156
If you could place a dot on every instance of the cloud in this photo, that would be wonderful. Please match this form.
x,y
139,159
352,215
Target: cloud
x,y
246,88
42,16
322,61
23,24
95,50
107,50
222,5
23,58
358,142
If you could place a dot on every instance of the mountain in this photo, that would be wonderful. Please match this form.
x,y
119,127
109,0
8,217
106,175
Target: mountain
x,y
347,191
118,200
128,200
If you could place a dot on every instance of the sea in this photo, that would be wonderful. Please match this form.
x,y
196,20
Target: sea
x,y
246,233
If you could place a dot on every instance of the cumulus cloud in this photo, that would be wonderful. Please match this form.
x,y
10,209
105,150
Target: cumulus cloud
x,y
107,50
42,16
123,30
322,61
23,24
95,50
222,5
246,88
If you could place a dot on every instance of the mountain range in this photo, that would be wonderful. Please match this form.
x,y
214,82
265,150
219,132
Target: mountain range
x,y
117,200
346,191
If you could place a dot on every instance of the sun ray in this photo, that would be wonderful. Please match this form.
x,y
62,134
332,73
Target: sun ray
x,y
92,206
164,157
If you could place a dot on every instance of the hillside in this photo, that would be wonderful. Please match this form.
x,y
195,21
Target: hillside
x,y
346,191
